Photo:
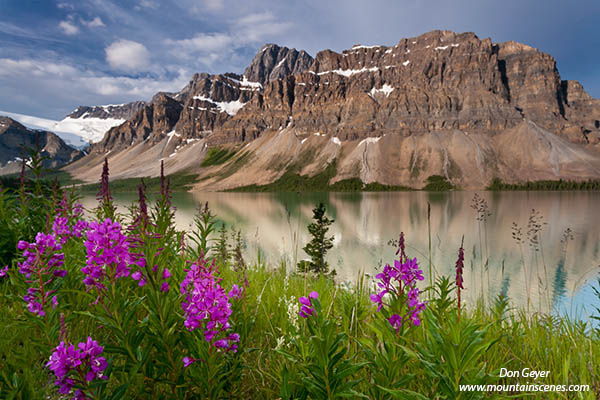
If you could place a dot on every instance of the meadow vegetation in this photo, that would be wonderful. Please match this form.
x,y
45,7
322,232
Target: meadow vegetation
x,y
100,305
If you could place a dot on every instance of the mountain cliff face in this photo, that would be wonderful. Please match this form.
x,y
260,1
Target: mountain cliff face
x,y
14,137
114,111
91,123
418,107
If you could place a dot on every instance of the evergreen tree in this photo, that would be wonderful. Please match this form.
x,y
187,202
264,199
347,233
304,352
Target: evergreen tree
x,y
222,247
319,245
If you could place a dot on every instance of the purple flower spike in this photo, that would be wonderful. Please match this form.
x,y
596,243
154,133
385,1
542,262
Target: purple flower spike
x,y
4,271
107,254
307,308
41,266
187,361
235,292
305,301
68,360
396,321
400,282
206,305
67,223
137,275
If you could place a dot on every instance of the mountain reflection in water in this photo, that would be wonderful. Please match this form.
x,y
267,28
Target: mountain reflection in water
x,y
558,274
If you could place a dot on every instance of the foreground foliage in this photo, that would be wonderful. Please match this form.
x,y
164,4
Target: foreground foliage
x,y
129,307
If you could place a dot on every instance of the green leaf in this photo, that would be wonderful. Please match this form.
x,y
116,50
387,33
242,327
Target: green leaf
x,y
119,392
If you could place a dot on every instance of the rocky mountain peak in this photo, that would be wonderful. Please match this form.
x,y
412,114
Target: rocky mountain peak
x,y
6,123
16,139
275,62
109,111
372,99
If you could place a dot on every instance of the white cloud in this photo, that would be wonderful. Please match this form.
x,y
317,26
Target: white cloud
x,y
208,48
213,5
34,81
128,56
94,23
68,28
65,6
148,4
261,26
203,42
26,67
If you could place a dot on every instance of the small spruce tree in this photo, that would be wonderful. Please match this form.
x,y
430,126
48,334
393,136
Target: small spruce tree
x,y
319,245
222,247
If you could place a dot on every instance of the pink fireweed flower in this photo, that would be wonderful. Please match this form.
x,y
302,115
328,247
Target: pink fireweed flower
x,y
140,223
68,222
107,254
395,321
409,271
206,305
187,361
459,274
307,308
401,247
400,281
164,287
235,292
378,299
42,264
459,268
4,271
77,365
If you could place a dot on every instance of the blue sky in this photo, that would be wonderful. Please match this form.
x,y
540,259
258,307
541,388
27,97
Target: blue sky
x,y
56,55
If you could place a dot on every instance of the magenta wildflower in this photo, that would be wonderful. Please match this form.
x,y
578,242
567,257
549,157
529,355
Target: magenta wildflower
x,y
307,308
77,365
164,287
235,292
68,222
187,361
378,299
42,264
399,282
401,247
459,268
206,305
459,273
104,191
107,254
4,271
165,189
140,223
395,321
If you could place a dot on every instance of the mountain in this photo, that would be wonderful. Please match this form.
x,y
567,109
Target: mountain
x,y
15,139
85,124
442,103
92,123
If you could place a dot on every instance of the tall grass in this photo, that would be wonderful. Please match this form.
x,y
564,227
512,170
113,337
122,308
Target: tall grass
x,y
348,350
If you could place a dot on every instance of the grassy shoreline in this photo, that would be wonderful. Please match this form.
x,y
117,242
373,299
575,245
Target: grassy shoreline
x,y
565,348
355,340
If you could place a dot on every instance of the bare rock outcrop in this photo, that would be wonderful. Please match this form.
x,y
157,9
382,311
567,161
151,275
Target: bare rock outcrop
x,y
16,140
439,87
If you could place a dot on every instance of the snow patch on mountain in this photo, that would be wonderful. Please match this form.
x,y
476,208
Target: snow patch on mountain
x,y
230,107
91,129
72,138
385,89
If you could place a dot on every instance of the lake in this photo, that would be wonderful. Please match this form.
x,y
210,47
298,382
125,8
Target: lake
x,y
553,267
